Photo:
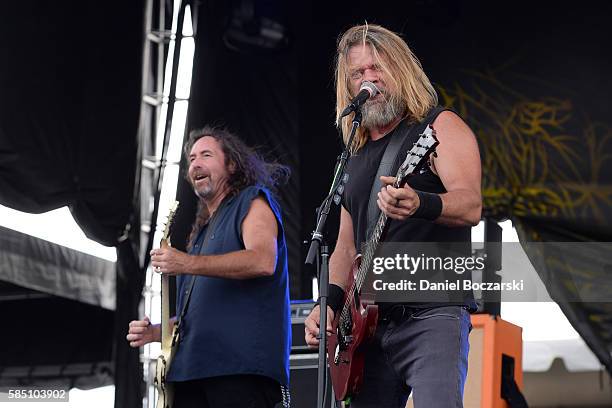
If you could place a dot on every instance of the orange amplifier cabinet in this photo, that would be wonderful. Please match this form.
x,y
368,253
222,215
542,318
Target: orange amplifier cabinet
x,y
496,346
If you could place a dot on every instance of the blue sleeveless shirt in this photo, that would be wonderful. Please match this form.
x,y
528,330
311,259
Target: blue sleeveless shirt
x,y
235,326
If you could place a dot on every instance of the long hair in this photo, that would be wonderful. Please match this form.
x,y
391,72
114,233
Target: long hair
x,y
402,71
249,168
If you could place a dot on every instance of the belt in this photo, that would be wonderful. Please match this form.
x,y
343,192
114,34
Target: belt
x,y
396,313
400,312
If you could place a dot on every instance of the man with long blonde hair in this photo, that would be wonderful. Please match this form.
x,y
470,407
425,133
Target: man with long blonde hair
x,y
419,348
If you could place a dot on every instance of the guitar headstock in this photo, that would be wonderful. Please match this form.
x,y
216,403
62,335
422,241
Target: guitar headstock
x,y
418,156
165,240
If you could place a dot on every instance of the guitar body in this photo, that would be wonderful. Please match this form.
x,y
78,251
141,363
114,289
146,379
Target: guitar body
x,y
165,390
346,353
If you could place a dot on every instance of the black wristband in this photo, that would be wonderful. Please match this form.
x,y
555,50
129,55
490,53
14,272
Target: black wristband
x,y
430,207
335,298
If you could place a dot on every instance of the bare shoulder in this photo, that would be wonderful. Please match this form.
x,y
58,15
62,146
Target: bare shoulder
x,y
260,204
260,211
260,216
458,148
449,125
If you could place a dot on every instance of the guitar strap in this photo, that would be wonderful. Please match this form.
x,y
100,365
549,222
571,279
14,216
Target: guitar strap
x,y
403,132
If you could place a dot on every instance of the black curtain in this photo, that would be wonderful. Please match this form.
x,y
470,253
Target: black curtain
x,y
70,87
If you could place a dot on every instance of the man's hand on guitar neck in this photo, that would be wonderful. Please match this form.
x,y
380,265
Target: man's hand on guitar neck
x,y
142,332
397,203
311,325
170,261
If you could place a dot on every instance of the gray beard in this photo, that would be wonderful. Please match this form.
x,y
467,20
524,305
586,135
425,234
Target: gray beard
x,y
204,193
380,113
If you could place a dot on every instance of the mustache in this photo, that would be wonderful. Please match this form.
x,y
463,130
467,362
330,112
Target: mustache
x,y
386,96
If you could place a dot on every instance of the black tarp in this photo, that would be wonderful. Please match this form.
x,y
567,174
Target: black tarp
x,y
45,267
70,91
70,97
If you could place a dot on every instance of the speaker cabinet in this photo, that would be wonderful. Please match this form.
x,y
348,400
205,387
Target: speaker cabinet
x,y
303,372
304,362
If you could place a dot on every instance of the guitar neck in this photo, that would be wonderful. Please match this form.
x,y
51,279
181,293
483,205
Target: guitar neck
x,y
166,333
370,250
366,260
374,241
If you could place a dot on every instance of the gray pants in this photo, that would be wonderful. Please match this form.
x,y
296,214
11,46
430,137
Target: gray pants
x,y
420,350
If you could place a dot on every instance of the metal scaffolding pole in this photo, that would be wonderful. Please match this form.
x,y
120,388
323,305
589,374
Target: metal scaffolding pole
x,y
156,114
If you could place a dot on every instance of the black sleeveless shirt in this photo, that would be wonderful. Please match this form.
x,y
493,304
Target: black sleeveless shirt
x,y
362,169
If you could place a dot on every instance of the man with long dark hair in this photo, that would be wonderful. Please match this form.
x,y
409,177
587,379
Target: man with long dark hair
x,y
235,337
417,347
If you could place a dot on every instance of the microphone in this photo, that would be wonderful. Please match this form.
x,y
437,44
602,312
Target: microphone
x,y
366,91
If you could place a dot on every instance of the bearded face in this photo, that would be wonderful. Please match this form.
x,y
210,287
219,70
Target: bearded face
x,y
208,172
383,108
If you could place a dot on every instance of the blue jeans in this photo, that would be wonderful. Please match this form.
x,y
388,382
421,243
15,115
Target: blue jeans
x,y
421,350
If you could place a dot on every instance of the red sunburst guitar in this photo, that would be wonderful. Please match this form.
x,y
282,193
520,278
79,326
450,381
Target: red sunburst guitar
x,y
356,323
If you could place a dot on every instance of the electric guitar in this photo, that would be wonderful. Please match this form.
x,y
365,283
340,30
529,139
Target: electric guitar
x,y
355,325
169,341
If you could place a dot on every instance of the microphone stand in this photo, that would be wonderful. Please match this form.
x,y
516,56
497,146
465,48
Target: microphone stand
x,y
318,248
